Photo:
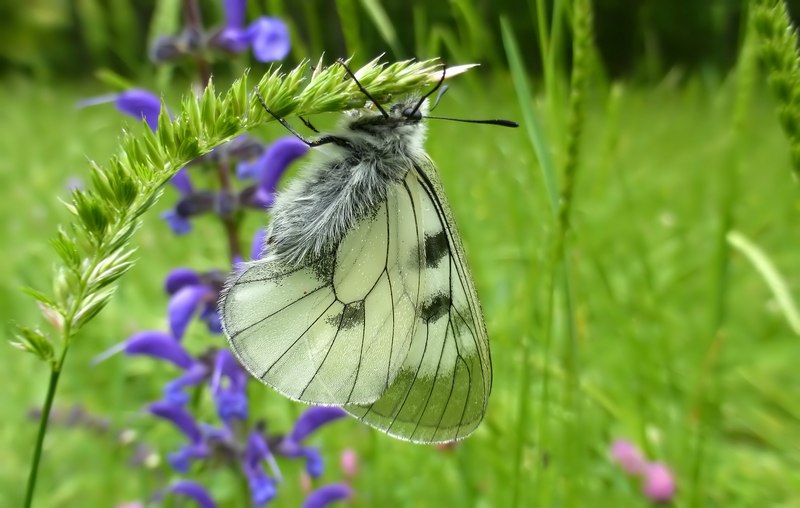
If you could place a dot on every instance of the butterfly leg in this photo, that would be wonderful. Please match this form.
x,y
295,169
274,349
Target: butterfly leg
x,y
324,140
341,62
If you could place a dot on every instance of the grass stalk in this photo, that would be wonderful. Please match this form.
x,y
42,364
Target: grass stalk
x,y
44,420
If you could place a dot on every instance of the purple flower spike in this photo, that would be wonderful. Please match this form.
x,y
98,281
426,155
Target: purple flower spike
x,y
180,418
179,278
269,39
182,306
158,345
659,484
194,491
140,104
628,456
323,496
314,418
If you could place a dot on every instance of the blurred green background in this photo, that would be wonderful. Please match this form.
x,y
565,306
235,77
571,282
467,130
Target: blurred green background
x,y
674,340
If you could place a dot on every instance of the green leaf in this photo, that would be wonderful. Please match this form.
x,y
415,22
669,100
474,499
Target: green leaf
x,y
384,25
533,125
776,283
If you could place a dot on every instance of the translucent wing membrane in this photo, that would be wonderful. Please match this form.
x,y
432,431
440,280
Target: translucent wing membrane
x,y
443,385
388,326
337,331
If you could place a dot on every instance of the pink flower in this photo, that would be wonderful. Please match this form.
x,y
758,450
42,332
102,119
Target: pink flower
x,y
659,483
349,462
628,456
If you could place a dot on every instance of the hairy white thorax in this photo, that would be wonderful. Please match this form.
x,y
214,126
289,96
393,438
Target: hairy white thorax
x,y
347,181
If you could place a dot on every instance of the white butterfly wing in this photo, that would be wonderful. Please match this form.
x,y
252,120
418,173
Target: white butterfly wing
x,y
336,331
442,388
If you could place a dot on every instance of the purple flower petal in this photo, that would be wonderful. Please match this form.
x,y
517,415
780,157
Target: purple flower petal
x,y
235,11
158,345
182,182
179,417
248,169
178,224
314,418
269,39
314,463
262,487
256,449
183,305
232,39
262,199
323,496
174,390
226,366
659,484
276,159
179,278
211,318
195,491
181,461
259,246
628,456
231,405
140,104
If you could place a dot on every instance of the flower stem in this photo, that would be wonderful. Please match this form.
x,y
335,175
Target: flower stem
x,y
230,223
194,21
55,373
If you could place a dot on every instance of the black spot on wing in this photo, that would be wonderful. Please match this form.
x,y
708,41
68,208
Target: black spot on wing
x,y
435,308
353,315
436,248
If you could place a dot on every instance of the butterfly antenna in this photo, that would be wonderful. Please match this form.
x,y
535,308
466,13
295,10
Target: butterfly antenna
x,y
502,123
360,87
438,85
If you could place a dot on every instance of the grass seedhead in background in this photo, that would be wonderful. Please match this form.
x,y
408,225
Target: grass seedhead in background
x,y
558,321
779,54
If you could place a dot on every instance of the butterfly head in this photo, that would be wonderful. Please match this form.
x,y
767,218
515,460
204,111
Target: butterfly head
x,y
406,113
395,127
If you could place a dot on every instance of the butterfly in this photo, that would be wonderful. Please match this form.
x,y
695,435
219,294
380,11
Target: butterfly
x,y
363,298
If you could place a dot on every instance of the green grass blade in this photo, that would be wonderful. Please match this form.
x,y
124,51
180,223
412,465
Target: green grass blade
x,y
530,117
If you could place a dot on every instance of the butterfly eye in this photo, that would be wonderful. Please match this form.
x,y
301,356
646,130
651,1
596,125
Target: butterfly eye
x,y
412,113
